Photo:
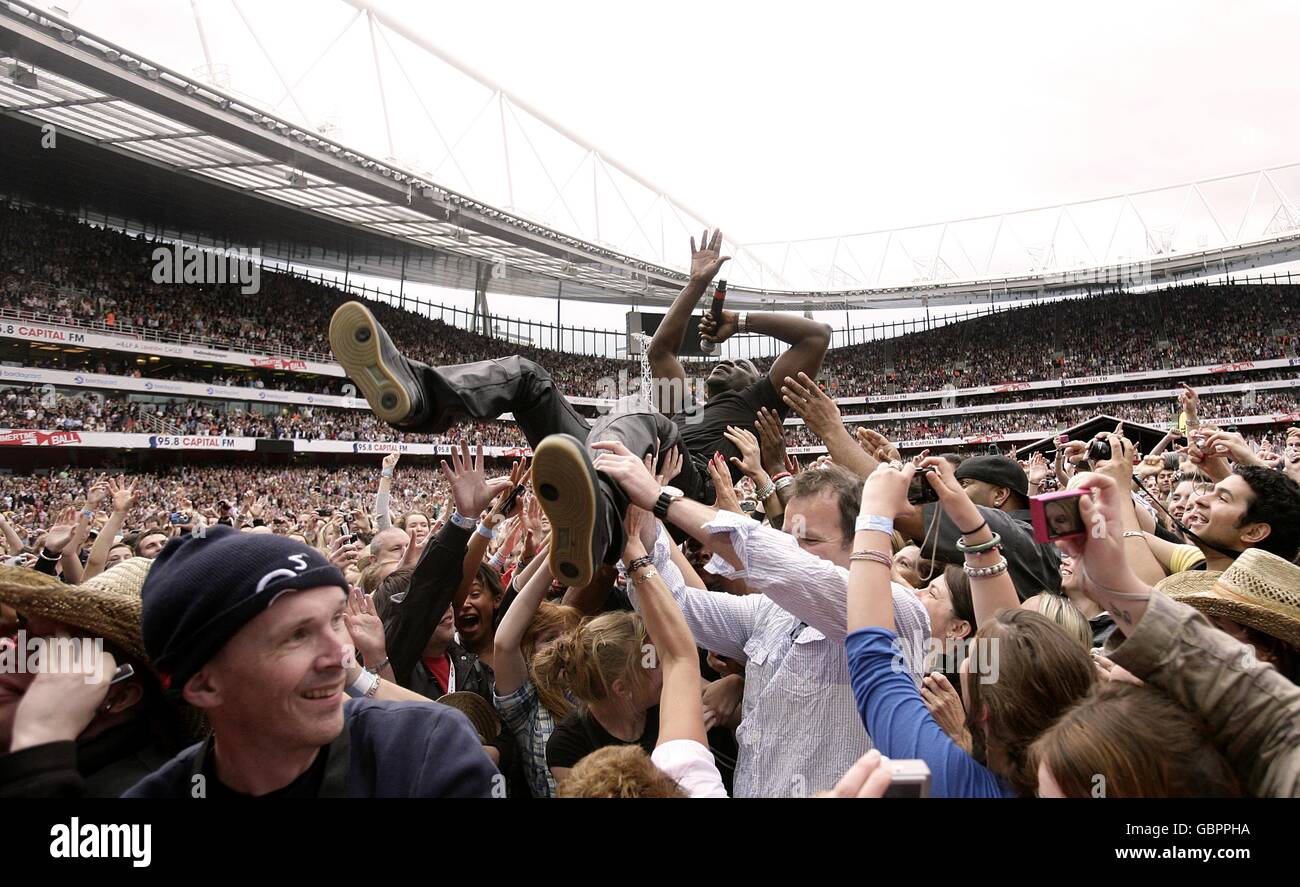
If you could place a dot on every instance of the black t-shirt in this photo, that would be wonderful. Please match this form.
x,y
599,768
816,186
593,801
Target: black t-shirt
x,y
702,430
579,734
305,786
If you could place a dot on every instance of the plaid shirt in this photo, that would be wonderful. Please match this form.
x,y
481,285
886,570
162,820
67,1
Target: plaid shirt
x,y
800,729
532,726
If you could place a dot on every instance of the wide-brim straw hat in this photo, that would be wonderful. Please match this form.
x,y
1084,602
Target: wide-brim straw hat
x,y
106,606
1260,590
480,713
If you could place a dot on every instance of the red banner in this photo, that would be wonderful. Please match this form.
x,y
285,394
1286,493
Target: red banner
x,y
38,438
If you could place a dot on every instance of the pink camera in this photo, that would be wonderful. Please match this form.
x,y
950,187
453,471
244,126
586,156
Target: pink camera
x,y
1056,515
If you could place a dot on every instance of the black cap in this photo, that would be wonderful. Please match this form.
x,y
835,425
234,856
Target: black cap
x,y
996,470
202,589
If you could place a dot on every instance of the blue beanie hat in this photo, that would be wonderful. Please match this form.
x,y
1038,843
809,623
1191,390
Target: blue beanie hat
x,y
202,589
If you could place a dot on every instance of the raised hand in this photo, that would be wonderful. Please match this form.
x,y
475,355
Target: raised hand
x,y
876,445
707,260
723,492
61,533
818,411
672,466
771,441
885,491
344,552
390,461
97,493
470,488
750,462
1038,469
629,472
364,626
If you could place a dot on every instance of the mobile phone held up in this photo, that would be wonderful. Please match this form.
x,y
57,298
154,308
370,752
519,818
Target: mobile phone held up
x,y
1056,516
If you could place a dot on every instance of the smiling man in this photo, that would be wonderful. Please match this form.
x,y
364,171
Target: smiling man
x,y
250,629
1254,507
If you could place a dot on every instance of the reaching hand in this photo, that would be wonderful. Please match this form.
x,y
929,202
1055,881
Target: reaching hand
x,y
470,488
877,446
724,494
390,461
629,472
123,493
749,463
707,260
1038,469
97,494
771,441
1231,445
636,523
818,411
60,534
364,625
1189,400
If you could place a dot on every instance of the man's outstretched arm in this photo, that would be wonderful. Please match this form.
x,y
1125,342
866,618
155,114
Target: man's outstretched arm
x,y
667,342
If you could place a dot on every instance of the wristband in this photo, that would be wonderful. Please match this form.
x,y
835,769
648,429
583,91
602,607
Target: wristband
x,y
1137,533
465,523
780,474
783,483
387,472
876,522
366,684
485,531
88,514
982,525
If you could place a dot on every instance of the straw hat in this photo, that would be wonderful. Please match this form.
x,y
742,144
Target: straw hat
x,y
480,713
1259,590
106,606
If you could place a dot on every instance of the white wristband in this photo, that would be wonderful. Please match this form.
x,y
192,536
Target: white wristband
x,y
485,531
465,523
366,684
879,523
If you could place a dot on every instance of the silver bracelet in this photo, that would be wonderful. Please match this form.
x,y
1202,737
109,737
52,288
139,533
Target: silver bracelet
x,y
986,572
742,322
764,491
783,483
1138,533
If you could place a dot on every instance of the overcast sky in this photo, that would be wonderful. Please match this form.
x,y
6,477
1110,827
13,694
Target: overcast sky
x,y
782,121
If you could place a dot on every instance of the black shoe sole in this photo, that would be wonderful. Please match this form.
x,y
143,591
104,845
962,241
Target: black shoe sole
x,y
565,483
370,360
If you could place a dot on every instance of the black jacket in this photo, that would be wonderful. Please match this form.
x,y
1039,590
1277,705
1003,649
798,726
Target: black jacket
x,y
102,767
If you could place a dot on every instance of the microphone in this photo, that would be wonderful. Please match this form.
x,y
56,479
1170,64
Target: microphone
x,y
719,296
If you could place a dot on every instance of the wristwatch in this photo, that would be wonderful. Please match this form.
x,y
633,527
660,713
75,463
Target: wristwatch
x,y
667,496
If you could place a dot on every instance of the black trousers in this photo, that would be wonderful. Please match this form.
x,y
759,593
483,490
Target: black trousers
x,y
487,388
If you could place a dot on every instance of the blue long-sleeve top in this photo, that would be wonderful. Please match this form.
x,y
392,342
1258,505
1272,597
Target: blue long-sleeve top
x,y
902,727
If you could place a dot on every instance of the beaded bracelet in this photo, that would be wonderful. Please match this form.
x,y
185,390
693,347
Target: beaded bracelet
x,y
764,491
995,542
986,572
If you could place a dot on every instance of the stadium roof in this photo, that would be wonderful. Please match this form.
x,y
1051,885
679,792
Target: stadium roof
x,y
140,142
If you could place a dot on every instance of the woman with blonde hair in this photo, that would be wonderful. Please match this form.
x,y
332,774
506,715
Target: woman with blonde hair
x,y
610,667
528,707
1061,610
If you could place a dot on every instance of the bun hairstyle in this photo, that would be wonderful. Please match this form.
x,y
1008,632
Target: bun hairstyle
x,y
550,618
588,660
1143,743
1042,671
